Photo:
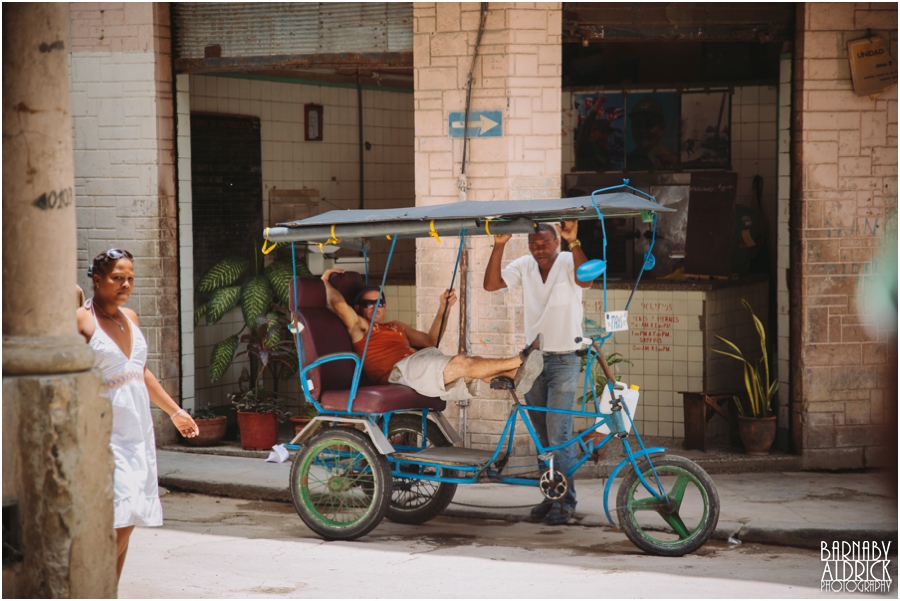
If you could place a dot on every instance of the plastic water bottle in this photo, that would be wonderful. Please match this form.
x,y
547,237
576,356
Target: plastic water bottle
x,y
629,394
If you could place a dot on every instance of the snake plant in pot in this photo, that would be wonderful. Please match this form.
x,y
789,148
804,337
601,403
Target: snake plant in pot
x,y
756,420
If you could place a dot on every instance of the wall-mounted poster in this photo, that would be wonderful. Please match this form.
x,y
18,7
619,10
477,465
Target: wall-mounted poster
x,y
652,132
706,130
599,132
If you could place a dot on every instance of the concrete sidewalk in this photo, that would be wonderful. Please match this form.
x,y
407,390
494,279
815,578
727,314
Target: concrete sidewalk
x,y
798,509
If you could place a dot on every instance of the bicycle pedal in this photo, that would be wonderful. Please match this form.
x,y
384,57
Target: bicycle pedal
x,y
502,383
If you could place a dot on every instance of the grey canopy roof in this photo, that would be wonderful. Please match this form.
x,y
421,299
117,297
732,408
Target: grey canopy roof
x,y
476,217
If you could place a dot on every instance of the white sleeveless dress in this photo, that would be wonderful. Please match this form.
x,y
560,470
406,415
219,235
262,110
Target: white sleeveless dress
x,y
133,443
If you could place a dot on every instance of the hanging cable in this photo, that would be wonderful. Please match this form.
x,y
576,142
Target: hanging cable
x,y
463,183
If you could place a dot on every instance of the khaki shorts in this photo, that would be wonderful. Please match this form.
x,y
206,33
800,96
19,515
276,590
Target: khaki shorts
x,y
424,373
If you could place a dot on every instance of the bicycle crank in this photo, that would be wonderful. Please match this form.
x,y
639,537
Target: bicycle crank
x,y
553,485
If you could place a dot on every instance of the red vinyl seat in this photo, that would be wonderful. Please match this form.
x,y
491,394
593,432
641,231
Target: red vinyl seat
x,y
324,334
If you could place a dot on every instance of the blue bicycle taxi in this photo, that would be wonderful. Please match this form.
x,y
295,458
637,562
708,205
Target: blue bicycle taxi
x,y
374,451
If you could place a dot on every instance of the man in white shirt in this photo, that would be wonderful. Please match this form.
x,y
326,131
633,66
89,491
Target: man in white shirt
x,y
553,310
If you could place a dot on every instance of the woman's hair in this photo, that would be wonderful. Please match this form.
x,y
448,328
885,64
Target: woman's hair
x,y
357,300
103,263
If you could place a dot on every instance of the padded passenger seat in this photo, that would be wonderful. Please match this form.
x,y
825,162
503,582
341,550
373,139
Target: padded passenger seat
x,y
325,334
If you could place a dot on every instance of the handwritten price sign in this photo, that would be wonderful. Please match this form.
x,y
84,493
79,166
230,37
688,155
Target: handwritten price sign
x,y
616,321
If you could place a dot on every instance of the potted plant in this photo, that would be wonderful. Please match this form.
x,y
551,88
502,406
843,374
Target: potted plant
x,y
263,294
258,409
258,413
599,379
212,428
756,422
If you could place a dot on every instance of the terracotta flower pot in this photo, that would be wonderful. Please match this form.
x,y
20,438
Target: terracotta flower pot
x,y
212,431
757,434
259,431
299,422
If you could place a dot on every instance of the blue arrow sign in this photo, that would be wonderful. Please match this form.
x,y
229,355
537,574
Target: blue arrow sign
x,y
482,124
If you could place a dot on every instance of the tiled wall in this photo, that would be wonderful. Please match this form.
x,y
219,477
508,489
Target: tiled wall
x,y
668,341
330,166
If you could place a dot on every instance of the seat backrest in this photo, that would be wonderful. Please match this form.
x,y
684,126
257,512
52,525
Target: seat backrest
x,y
323,332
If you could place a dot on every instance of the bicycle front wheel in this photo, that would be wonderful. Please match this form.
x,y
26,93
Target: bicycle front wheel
x,y
340,484
682,520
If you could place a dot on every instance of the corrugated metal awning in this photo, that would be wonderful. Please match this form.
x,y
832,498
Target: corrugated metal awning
x,y
221,36
476,217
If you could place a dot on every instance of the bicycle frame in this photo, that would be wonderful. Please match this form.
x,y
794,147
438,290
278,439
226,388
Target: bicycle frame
x,y
486,473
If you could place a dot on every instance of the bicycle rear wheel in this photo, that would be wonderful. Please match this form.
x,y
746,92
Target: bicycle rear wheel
x,y
413,500
679,523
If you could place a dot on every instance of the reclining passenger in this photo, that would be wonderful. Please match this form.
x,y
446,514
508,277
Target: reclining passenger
x,y
391,358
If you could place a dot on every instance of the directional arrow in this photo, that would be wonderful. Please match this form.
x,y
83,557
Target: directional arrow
x,y
479,124
483,124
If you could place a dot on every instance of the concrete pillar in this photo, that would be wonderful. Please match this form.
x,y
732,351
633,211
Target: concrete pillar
x,y
57,466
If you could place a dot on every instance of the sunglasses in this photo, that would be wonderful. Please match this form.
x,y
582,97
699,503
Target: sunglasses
x,y
368,304
116,254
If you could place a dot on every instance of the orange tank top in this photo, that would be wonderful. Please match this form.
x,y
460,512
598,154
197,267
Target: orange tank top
x,y
387,345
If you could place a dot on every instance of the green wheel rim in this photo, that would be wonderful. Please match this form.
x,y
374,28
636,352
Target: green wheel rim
x,y
671,514
336,483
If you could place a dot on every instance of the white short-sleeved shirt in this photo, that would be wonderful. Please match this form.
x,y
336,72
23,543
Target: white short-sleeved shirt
x,y
552,308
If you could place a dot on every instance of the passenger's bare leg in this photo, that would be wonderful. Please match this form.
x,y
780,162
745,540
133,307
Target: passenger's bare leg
x,y
480,368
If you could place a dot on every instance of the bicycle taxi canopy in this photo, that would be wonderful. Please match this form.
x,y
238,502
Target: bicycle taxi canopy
x,y
472,216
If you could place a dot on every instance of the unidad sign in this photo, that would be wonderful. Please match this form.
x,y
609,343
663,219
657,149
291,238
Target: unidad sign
x,y
872,67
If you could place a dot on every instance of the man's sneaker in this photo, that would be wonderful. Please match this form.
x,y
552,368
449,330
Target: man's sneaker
x,y
529,371
536,344
540,511
560,514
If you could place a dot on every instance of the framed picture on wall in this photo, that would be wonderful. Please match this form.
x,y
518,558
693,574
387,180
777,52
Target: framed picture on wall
x,y
706,130
599,131
652,128
312,121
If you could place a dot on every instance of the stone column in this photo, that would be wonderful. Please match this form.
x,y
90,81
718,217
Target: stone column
x,y
57,467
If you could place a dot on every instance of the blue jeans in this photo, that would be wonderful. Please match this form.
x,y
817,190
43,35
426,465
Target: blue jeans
x,y
555,389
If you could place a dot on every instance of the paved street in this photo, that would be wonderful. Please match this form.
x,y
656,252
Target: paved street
x,y
219,547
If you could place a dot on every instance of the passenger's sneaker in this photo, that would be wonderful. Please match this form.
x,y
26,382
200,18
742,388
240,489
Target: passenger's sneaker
x,y
560,514
529,371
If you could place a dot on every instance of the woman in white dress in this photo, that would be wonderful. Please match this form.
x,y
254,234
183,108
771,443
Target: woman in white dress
x,y
120,353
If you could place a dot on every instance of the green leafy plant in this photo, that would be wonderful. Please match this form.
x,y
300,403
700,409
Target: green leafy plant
x,y
597,375
256,399
259,400
202,413
263,294
758,381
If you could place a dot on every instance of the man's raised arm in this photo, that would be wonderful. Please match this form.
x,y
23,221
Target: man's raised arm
x,y
492,278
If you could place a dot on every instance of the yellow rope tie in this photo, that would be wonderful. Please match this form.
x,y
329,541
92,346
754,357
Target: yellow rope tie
x,y
333,239
487,227
265,250
388,236
433,233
